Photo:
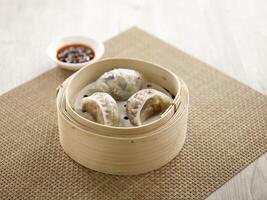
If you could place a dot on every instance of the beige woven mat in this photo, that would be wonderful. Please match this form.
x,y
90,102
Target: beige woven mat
x,y
227,130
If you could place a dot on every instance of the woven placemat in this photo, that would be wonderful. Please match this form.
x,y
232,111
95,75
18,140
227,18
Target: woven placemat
x,y
227,130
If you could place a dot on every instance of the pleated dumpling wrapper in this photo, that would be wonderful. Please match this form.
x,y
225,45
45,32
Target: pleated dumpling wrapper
x,y
102,107
145,104
119,83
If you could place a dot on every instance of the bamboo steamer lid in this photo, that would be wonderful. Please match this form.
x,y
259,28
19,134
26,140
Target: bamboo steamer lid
x,y
122,150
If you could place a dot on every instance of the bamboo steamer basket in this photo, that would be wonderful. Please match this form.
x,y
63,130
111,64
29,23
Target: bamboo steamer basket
x,y
122,150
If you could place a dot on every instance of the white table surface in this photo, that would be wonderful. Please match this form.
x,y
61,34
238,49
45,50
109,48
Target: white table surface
x,y
230,35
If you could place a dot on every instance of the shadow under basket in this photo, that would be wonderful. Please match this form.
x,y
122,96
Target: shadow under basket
x,y
122,150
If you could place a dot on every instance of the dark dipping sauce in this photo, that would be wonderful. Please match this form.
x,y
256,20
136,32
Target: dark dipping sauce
x,y
75,53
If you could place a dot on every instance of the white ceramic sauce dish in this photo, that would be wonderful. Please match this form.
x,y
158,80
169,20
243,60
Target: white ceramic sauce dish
x,y
53,48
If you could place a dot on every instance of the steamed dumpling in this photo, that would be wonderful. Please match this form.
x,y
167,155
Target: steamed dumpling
x,y
146,103
119,83
102,107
